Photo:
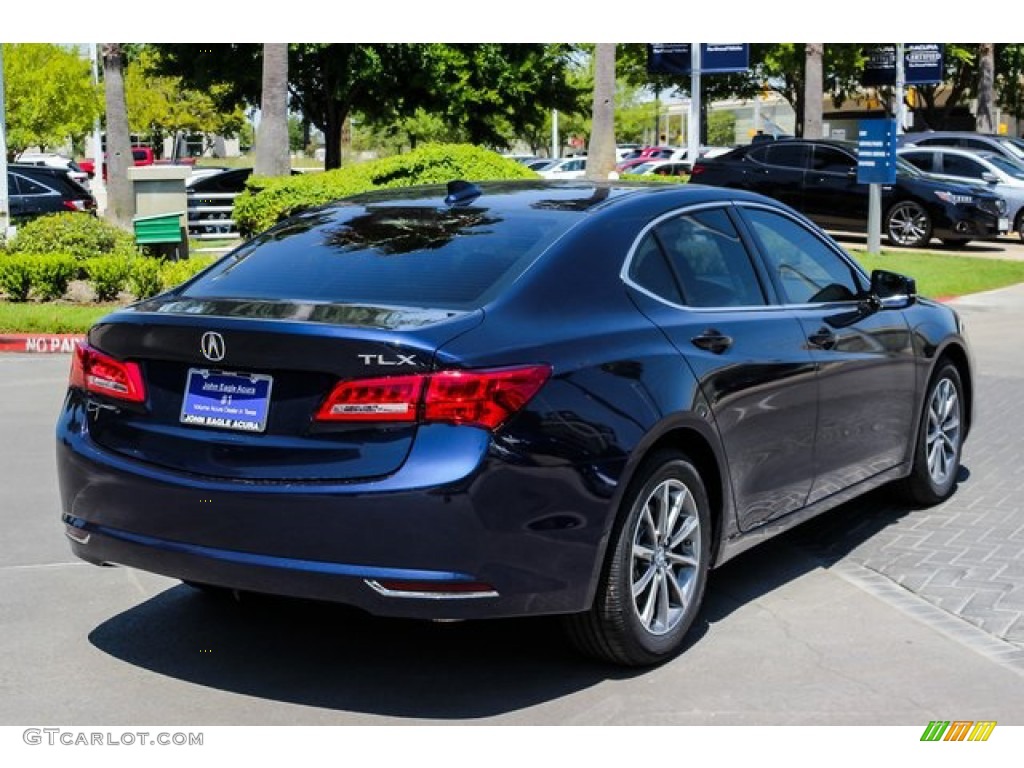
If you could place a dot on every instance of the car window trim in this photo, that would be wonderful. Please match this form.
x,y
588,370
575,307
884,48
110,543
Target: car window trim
x,y
649,227
817,232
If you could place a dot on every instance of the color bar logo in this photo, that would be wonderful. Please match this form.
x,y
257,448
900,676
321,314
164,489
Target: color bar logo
x,y
958,730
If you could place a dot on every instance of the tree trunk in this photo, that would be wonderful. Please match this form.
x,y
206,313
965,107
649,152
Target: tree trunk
x,y
986,89
120,198
814,86
272,157
601,153
332,135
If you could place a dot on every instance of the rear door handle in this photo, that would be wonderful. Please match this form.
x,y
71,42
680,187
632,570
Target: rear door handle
x,y
823,339
712,341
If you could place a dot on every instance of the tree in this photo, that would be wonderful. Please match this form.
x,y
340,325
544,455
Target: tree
x,y
814,84
721,129
120,201
483,89
159,105
601,152
50,96
272,157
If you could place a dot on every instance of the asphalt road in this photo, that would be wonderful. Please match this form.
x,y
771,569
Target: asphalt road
x,y
794,632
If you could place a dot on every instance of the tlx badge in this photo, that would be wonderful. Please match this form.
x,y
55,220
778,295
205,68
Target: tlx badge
x,y
382,360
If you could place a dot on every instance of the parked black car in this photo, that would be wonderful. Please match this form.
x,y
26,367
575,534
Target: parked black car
x,y
819,179
35,190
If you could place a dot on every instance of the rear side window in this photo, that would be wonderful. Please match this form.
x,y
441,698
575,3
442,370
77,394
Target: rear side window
x,y
921,160
388,255
787,155
29,187
709,260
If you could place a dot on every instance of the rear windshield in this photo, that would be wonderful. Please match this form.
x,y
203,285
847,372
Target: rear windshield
x,y
403,256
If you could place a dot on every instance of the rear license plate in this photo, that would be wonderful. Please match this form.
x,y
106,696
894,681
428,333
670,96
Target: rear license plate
x,y
227,400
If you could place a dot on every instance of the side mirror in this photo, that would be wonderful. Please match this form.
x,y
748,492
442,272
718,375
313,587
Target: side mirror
x,y
989,177
893,291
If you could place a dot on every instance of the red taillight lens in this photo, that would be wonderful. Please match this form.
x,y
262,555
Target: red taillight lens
x,y
478,398
94,371
387,399
697,170
75,205
482,398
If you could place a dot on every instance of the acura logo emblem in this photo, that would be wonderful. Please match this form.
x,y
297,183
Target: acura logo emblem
x,y
212,346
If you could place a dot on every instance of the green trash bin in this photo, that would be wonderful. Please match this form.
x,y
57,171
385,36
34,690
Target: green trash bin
x,y
162,230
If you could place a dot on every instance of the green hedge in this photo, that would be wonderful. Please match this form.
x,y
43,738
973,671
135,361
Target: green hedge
x,y
268,200
76,234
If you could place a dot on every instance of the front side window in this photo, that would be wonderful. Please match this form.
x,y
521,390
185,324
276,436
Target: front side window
x,y
956,165
832,160
805,268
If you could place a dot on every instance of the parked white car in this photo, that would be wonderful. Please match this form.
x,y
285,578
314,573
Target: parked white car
x,y
567,168
981,167
53,160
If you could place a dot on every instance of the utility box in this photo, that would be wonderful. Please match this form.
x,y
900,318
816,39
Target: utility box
x,y
160,201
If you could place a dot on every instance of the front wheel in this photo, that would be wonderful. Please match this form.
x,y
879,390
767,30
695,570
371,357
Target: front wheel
x,y
654,580
908,225
939,441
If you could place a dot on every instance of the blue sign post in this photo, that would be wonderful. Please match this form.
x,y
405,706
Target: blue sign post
x,y
876,165
876,152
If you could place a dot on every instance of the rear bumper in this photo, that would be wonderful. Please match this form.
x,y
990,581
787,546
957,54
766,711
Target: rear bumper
x,y
533,535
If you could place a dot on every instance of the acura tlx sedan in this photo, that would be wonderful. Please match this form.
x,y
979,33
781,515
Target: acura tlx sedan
x,y
507,399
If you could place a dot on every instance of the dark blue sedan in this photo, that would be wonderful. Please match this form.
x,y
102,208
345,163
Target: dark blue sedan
x,y
505,400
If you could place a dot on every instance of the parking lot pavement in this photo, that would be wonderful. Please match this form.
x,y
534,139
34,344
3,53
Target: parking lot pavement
x,y
874,614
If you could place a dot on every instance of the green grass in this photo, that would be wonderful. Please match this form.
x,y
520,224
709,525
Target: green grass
x,y
940,275
52,317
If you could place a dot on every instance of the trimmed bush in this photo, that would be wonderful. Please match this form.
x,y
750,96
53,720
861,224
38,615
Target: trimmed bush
x,y
269,200
108,275
16,276
78,234
51,274
174,273
144,277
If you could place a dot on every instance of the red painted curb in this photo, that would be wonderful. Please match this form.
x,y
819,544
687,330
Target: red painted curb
x,y
55,343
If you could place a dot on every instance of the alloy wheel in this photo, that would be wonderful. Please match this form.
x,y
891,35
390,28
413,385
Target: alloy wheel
x,y
666,556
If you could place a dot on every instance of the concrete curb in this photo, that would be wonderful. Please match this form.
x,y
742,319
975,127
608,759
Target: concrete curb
x,y
40,343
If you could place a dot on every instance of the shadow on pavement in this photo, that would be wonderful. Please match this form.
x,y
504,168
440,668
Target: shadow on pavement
x,y
332,657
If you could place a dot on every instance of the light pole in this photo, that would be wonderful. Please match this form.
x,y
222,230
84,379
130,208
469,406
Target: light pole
x,y
96,184
5,211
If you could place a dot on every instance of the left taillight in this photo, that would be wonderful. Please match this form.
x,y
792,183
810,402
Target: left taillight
x,y
476,398
77,205
94,371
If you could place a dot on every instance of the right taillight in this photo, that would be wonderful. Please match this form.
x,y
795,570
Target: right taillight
x,y
97,372
477,398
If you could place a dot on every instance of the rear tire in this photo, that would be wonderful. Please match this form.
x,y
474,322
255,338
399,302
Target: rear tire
x,y
653,582
939,440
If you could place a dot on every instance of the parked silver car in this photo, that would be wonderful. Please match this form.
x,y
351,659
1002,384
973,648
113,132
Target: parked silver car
x,y
1003,177
1007,146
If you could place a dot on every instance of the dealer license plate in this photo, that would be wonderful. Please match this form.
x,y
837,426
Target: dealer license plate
x,y
228,400
1004,224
